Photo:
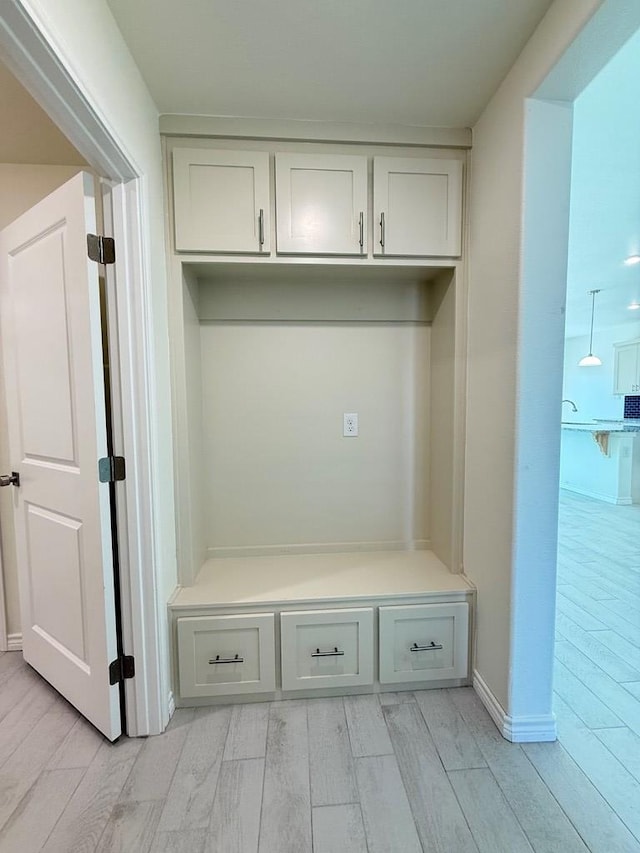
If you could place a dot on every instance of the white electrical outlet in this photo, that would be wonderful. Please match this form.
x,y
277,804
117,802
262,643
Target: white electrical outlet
x,y
350,424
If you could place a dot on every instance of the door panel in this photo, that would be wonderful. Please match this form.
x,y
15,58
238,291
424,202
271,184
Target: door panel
x,y
418,206
54,539
52,350
44,374
221,200
321,204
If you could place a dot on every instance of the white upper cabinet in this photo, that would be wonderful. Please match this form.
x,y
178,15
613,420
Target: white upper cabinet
x,y
417,206
221,200
321,204
626,371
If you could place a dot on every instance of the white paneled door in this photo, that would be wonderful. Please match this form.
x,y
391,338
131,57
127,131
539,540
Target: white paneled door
x,y
53,361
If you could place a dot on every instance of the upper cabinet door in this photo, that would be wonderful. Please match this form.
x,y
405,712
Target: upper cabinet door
x,y
626,370
221,200
417,207
321,204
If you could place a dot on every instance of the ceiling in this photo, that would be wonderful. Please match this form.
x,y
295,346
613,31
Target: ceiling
x,y
28,134
421,62
413,62
611,303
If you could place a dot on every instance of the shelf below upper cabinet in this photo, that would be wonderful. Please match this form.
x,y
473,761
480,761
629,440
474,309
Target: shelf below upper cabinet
x,y
321,204
417,207
221,200
225,655
424,642
327,648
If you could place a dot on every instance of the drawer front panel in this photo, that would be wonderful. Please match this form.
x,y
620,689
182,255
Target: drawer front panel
x,y
220,655
425,642
327,648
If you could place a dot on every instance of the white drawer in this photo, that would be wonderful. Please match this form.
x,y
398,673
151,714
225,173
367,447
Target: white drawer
x,y
423,642
326,648
221,655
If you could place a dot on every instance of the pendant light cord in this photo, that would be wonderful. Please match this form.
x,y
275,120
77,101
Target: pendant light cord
x,y
593,310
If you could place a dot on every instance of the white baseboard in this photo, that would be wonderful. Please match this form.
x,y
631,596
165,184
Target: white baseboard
x,y
322,548
14,642
172,704
526,729
588,493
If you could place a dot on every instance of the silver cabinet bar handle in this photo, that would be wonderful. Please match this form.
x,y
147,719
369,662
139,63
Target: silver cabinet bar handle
x,y
236,659
430,648
261,227
319,654
361,230
382,230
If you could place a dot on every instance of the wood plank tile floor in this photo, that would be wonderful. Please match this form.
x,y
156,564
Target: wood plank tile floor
x,y
403,772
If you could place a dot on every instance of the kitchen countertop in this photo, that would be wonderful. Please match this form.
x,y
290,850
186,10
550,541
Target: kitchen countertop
x,y
601,425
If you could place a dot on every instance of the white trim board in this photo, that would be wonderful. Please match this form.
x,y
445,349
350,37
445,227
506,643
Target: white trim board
x,y
14,642
538,729
598,496
4,640
214,552
34,57
299,130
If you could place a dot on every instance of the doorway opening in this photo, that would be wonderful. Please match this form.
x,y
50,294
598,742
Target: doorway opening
x,y
597,649
32,59
548,216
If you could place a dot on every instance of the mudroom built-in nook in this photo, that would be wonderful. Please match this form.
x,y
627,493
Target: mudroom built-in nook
x,y
318,368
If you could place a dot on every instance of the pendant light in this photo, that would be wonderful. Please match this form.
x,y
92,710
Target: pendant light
x,y
591,360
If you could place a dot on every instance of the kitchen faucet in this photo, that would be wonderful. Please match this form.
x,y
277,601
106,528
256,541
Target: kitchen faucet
x,y
574,408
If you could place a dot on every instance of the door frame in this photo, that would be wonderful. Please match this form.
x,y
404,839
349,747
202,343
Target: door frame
x,y
36,63
3,612
548,140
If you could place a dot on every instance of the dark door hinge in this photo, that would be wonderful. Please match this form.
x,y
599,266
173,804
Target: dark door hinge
x,y
111,469
121,668
102,250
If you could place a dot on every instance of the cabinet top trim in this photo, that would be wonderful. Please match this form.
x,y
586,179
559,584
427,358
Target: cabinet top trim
x,y
295,130
631,343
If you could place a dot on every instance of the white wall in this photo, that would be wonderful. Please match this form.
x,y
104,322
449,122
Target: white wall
x,y
279,471
517,285
496,197
28,134
21,187
590,388
88,42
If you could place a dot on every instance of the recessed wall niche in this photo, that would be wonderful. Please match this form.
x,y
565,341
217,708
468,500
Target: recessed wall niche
x,y
273,359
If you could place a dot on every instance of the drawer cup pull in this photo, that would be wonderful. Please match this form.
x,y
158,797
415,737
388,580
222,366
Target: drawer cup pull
x,y
430,648
319,654
236,659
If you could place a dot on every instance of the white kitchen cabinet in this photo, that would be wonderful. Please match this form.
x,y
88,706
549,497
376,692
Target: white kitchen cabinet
x,y
417,207
424,642
221,200
327,648
626,371
321,204
226,655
